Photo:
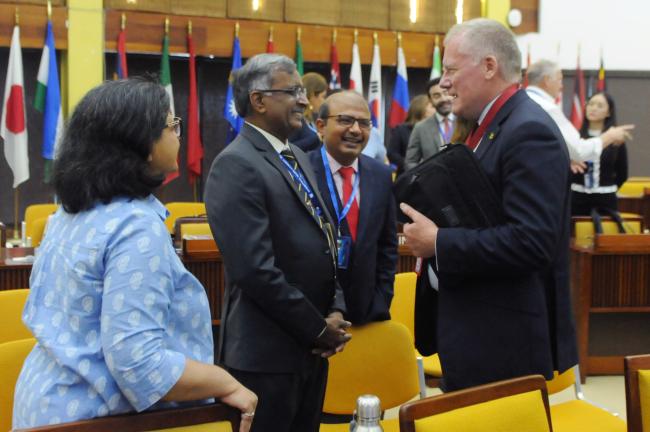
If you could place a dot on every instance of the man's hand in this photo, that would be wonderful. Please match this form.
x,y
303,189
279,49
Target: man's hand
x,y
334,337
421,234
617,135
578,167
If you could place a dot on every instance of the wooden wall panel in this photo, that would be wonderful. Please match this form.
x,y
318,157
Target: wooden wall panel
x,y
433,17
214,36
529,15
208,8
373,14
324,12
40,2
270,10
472,9
161,6
33,21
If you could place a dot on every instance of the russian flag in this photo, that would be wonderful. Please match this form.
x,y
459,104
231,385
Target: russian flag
x,y
400,104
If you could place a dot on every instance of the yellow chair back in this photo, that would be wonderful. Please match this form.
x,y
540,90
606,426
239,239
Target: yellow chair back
x,y
12,303
12,357
584,230
561,381
180,209
633,188
402,308
195,229
34,212
515,405
644,393
38,230
378,360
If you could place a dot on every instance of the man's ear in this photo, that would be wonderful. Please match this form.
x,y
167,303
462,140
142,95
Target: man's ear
x,y
320,126
257,102
490,65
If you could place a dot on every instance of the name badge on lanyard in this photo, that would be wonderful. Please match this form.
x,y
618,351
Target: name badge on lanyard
x,y
343,243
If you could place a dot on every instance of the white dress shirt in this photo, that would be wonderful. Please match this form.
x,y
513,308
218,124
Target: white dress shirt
x,y
338,180
278,145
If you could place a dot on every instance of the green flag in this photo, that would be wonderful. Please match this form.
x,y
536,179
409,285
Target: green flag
x,y
436,69
299,65
165,74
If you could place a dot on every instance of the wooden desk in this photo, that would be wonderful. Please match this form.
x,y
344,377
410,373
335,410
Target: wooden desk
x,y
612,276
14,274
636,204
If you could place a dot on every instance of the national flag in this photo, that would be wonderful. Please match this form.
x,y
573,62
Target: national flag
x,y
229,110
356,80
14,122
400,104
578,105
374,90
601,86
194,146
270,47
122,70
48,101
436,65
335,70
299,61
166,81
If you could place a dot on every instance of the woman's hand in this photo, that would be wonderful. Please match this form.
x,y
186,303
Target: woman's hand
x,y
245,401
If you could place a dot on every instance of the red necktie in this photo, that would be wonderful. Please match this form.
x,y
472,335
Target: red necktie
x,y
353,214
446,123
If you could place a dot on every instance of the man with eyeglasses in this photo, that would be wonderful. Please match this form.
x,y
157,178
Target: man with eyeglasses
x,y
283,308
431,134
358,193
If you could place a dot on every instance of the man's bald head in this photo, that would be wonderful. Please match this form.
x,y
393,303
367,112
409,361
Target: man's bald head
x,y
349,97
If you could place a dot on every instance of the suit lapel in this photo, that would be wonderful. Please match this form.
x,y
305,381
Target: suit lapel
x,y
306,166
366,189
493,130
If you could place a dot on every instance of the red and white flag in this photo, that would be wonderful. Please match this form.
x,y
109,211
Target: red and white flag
x,y
356,80
194,146
375,94
578,105
335,71
14,122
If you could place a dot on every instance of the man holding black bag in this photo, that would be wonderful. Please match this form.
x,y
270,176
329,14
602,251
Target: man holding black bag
x,y
501,306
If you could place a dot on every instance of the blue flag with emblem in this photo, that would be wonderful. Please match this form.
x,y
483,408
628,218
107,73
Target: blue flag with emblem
x,y
229,110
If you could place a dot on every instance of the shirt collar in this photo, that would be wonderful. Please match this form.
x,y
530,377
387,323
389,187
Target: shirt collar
x,y
486,109
540,92
157,207
335,166
441,119
277,145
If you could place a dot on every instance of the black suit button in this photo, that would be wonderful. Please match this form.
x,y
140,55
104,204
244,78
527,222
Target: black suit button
x,y
327,252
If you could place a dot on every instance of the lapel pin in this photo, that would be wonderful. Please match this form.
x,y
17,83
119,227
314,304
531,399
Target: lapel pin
x,y
491,136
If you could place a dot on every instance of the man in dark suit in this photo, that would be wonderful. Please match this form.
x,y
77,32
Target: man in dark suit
x,y
282,312
431,134
357,190
503,302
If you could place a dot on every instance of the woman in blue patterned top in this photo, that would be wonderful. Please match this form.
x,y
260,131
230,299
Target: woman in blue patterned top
x,y
120,324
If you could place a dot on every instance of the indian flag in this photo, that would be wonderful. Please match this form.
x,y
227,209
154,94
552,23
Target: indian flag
x,y
48,101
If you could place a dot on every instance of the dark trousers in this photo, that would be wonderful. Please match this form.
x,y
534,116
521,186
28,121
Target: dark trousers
x,y
582,203
287,402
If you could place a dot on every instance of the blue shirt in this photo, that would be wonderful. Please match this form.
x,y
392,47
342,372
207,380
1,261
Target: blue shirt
x,y
375,147
115,314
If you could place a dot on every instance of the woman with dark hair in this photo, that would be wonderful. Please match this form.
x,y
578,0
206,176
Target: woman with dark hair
x,y
596,187
306,138
120,324
419,109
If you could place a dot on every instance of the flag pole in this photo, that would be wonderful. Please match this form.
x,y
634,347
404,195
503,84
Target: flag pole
x,y
16,221
49,10
123,21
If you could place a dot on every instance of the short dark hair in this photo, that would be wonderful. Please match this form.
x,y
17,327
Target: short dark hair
x,y
431,83
609,121
105,148
257,74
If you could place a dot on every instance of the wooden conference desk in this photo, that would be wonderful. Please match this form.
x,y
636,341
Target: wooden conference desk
x,y
610,277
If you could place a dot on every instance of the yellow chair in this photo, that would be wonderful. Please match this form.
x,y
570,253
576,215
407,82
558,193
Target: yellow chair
x,y
402,309
38,230
580,414
12,357
516,405
585,233
180,209
637,392
12,303
195,229
37,211
205,418
378,360
633,188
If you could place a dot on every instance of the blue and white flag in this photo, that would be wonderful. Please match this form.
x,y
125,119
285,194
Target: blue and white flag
x,y
229,110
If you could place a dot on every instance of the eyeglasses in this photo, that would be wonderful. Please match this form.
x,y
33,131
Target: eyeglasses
x,y
348,121
294,92
177,125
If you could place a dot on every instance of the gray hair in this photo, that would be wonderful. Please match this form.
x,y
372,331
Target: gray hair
x,y
483,37
257,74
540,69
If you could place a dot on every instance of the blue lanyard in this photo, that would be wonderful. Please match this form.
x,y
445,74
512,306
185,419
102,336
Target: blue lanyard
x,y
332,189
297,176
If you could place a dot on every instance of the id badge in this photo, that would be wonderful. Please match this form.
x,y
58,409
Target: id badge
x,y
343,245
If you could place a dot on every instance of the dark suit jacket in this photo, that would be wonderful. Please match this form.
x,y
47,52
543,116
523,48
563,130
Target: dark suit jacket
x,y
424,142
368,281
504,307
399,141
305,138
280,274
